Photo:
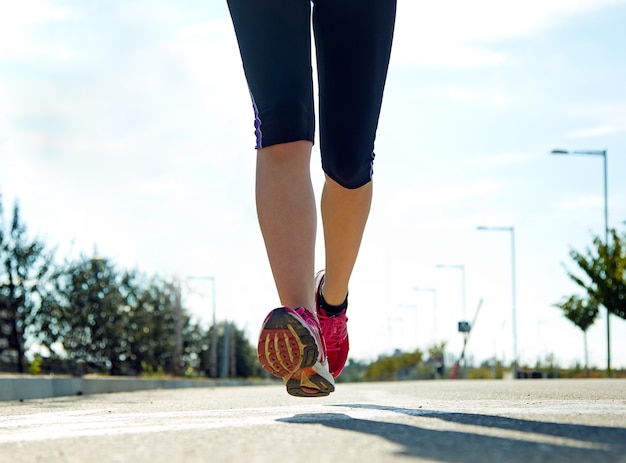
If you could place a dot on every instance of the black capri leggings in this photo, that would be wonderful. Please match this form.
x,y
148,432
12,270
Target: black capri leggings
x,y
353,43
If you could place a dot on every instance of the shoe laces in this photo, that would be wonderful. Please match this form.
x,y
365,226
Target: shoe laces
x,y
334,329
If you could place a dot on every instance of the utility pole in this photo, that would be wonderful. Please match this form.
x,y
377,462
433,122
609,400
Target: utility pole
x,y
233,353
178,330
225,366
213,348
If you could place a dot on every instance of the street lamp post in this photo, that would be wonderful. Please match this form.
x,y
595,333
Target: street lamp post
x,y
213,349
606,234
513,290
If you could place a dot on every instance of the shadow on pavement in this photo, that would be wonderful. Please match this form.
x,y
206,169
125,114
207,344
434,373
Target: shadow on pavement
x,y
580,443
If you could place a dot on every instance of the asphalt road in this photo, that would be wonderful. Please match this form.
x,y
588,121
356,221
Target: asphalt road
x,y
437,421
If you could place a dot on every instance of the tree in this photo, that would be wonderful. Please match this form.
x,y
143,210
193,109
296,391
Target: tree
x,y
195,349
108,320
605,268
90,317
583,313
395,367
353,371
25,267
233,348
245,355
152,330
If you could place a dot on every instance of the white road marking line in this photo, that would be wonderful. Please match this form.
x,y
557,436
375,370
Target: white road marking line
x,y
101,422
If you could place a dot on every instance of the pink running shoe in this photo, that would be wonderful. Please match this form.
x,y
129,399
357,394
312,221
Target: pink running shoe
x,y
291,347
334,330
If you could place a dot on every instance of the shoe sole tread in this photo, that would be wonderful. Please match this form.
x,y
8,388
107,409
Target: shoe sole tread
x,y
286,345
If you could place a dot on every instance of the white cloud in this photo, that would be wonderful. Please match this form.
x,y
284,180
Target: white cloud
x,y
596,131
209,52
157,184
608,118
581,203
511,158
17,24
457,34
439,195
494,97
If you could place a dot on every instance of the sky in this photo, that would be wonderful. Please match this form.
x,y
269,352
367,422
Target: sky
x,y
126,130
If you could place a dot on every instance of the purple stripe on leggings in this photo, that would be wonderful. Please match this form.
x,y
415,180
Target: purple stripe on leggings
x,y
257,125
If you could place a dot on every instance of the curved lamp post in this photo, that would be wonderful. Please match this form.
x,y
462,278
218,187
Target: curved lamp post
x,y
606,234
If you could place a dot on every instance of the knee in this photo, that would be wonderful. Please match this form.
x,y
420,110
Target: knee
x,y
286,154
350,172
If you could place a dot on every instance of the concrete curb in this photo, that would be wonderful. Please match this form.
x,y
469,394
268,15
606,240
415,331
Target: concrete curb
x,y
43,387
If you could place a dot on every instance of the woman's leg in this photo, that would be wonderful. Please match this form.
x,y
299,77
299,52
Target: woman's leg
x,y
344,215
275,43
353,41
287,216
274,38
